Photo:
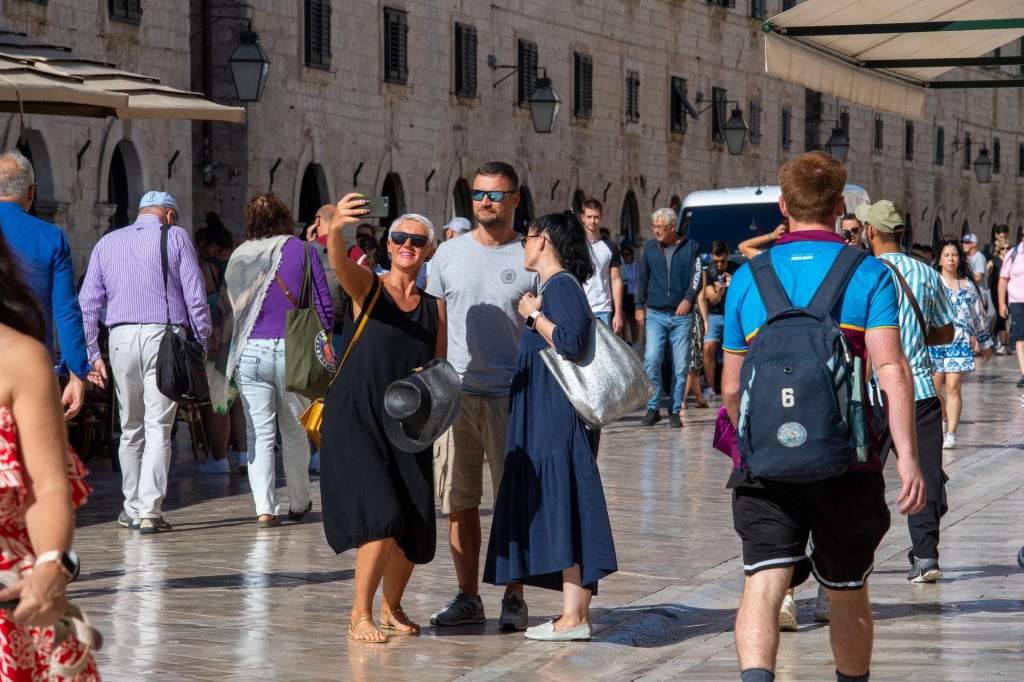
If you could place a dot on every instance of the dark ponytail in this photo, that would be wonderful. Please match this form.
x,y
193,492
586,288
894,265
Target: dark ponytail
x,y
19,307
566,233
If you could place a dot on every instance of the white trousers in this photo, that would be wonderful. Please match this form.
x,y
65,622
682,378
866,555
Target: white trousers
x,y
147,416
260,377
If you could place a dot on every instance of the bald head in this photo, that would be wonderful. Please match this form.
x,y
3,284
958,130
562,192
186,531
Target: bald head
x,y
17,179
321,222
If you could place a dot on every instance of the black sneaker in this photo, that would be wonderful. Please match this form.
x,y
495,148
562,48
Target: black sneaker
x,y
1020,382
674,421
651,418
924,570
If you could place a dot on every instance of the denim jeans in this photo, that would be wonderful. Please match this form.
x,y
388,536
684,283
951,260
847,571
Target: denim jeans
x,y
605,317
664,327
269,407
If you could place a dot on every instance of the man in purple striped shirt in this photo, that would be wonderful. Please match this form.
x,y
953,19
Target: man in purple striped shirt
x,y
126,275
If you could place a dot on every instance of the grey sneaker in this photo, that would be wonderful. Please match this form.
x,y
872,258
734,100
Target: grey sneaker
x,y
124,520
152,526
514,613
461,610
822,607
924,570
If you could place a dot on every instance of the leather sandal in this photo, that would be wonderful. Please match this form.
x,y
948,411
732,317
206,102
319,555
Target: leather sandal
x,y
270,522
352,627
388,622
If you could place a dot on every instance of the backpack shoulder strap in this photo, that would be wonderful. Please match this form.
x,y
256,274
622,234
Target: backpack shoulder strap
x,y
836,279
773,296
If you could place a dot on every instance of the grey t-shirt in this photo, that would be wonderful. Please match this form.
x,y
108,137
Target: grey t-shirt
x,y
481,287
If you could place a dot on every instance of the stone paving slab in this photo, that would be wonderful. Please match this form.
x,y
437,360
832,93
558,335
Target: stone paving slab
x,y
219,599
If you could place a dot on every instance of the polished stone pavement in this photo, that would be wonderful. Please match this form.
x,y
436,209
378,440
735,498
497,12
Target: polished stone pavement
x,y
218,599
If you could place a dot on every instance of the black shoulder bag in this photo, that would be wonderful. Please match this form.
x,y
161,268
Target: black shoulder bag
x,y
180,362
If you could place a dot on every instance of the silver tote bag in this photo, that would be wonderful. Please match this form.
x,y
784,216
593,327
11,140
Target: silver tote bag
x,y
607,382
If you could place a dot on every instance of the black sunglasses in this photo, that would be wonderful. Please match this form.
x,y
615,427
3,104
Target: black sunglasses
x,y
417,240
494,195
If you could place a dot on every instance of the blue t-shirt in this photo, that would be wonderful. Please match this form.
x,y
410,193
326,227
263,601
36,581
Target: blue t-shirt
x,y
801,260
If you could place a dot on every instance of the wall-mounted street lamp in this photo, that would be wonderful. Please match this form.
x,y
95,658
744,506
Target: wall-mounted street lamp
x,y
838,144
249,66
982,164
544,102
734,130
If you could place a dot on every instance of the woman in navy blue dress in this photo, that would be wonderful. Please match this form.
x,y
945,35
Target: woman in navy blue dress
x,y
551,525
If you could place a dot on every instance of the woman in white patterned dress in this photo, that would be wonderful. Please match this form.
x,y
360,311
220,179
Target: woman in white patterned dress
x,y
951,361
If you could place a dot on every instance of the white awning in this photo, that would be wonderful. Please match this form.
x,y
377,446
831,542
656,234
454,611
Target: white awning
x,y
872,52
130,95
24,88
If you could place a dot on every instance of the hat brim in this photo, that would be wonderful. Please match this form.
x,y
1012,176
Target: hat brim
x,y
446,398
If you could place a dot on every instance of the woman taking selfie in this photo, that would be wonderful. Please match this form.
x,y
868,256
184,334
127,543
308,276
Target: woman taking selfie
x,y
377,498
551,525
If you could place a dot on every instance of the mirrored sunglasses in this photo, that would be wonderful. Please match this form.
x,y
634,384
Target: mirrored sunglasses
x,y
494,195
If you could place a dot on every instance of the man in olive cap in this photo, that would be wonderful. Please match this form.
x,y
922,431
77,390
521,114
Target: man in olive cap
x,y
884,224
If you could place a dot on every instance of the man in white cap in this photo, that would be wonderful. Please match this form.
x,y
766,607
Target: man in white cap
x,y
126,275
456,226
979,272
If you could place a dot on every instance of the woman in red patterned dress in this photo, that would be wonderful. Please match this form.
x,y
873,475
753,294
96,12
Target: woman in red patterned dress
x,y
40,481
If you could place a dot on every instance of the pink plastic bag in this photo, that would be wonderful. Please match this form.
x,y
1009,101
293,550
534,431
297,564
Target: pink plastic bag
x,y
725,437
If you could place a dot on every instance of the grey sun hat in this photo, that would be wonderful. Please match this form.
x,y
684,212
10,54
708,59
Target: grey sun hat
x,y
421,407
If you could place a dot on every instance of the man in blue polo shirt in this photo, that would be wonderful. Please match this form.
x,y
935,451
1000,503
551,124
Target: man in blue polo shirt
x,y
847,515
45,259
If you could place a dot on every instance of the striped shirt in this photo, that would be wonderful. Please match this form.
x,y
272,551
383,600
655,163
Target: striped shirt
x,y
125,274
937,308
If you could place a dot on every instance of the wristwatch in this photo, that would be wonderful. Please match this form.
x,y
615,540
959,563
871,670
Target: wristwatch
x,y
531,321
67,560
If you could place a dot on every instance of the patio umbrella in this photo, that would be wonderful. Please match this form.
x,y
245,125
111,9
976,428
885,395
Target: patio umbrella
x,y
26,89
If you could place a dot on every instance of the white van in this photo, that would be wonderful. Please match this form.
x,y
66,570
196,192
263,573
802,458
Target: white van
x,y
736,214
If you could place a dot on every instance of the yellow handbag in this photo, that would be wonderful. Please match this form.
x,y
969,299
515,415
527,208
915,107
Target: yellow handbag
x,y
313,417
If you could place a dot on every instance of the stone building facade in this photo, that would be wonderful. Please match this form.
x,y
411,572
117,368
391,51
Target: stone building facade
x,y
369,96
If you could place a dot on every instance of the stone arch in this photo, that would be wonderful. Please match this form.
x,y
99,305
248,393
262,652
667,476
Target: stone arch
x,y
462,200
124,183
33,146
629,217
524,210
578,197
393,190
313,193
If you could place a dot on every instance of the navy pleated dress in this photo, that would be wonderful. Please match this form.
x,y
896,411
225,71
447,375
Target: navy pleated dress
x,y
550,512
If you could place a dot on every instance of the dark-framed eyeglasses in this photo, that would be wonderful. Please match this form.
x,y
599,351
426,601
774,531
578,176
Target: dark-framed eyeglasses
x,y
418,240
495,195
528,237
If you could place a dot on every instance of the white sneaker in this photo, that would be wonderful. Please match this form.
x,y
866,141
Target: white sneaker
x,y
949,441
709,393
787,615
213,466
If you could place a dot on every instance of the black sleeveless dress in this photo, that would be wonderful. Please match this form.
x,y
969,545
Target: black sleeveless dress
x,y
370,490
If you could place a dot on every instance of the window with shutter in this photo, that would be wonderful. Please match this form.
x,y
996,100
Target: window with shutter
x,y
632,97
677,108
788,4
844,122
396,49
583,85
940,146
879,136
723,3
997,154
465,60
758,9
527,71
718,103
126,10
318,33
1020,159
755,121
908,141
787,128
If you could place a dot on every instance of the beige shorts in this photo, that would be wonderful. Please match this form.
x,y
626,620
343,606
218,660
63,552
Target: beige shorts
x,y
478,432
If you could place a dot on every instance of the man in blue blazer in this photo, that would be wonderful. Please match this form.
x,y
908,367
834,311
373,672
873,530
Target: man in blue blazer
x,y
45,259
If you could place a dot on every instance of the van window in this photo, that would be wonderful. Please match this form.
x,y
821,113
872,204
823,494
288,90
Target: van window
x,y
732,223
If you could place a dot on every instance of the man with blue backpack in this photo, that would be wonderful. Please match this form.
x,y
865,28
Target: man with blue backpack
x,y
793,384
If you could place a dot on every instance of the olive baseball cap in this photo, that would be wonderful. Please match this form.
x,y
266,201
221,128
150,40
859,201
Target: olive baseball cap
x,y
884,216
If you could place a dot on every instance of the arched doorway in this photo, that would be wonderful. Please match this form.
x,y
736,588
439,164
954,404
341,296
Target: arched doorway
x,y
462,200
629,219
524,211
312,194
578,198
124,183
396,201
936,231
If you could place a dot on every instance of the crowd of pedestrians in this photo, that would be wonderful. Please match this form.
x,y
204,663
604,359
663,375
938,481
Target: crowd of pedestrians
x,y
485,302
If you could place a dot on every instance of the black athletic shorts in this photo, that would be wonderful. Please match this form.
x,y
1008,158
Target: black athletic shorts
x,y
845,518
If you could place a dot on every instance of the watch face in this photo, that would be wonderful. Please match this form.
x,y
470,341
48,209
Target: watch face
x,y
71,563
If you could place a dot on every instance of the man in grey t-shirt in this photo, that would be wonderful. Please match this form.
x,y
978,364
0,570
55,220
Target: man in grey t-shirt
x,y
480,276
